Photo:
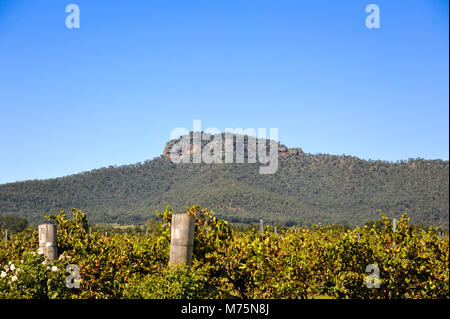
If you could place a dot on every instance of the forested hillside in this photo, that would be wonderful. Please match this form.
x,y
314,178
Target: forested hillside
x,y
306,189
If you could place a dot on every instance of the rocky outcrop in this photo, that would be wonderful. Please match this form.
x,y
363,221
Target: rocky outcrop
x,y
283,150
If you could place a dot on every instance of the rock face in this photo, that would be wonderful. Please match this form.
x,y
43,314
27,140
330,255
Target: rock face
x,y
283,150
296,151
168,147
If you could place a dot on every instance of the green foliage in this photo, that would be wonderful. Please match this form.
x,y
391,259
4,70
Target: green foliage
x,y
180,282
13,224
25,273
295,263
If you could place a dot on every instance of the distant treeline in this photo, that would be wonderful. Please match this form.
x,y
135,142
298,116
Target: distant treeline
x,y
13,224
152,226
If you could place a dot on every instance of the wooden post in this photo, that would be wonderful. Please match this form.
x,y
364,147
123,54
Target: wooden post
x,y
47,241
359,238
6,235
182,239
275,230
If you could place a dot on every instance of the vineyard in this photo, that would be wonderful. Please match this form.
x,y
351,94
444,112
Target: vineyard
x,y
316,262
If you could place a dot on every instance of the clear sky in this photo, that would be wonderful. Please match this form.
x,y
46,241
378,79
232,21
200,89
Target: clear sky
x,y
110,92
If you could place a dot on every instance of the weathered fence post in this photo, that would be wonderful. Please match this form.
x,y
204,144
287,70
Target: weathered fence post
x,y
182,239
6,235
47,241
275,230
359,237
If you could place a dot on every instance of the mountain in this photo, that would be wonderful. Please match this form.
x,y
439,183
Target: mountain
x,y
306,189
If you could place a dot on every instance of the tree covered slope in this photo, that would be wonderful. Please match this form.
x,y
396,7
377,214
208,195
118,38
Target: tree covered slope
x,y
306,189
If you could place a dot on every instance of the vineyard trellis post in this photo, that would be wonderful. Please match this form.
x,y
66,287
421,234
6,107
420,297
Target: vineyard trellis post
x,y
182,239
47,241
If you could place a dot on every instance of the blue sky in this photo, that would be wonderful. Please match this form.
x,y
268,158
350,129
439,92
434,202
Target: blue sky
x,y
110,92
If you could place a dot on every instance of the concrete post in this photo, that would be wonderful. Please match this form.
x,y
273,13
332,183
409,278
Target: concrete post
x,y
182,239
47,241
